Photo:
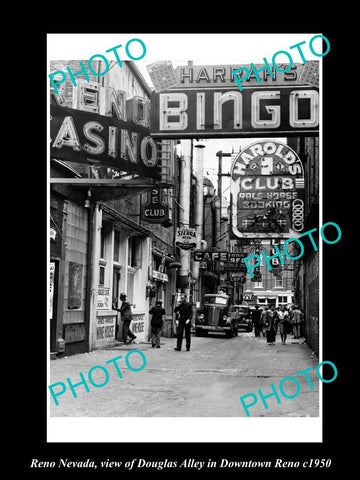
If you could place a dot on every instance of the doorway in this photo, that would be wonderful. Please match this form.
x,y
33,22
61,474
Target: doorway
x,y
53,301
115,295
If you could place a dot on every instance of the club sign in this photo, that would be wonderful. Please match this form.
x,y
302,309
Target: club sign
x,y
267,189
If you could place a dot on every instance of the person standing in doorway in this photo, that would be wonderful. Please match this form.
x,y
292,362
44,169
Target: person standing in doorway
x,y
256,316
297,318
126,317
156,324
184,322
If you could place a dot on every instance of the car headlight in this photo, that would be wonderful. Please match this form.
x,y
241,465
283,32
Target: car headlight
x,y
200,318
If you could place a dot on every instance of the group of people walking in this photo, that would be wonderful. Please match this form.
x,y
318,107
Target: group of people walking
x,y
271,320
268,322
184,312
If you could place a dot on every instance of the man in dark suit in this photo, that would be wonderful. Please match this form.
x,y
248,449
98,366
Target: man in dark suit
x,y
157,313
184,323
126,317
256,315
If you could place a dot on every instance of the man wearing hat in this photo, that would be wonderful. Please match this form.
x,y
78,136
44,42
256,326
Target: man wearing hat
x,y
157,313
184,323
126,317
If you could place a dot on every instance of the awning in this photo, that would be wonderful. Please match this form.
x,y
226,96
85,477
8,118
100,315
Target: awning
x,y
123,222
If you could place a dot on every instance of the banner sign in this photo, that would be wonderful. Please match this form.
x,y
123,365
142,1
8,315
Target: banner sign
x,y
103,298
208,104
99,140
267,190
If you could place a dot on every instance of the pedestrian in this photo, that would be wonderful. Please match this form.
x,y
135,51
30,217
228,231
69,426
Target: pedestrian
x,y
183,322
156,324
271,325
256,317
297,318
283,316
126,317
263,320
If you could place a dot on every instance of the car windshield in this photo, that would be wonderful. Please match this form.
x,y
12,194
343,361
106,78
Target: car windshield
x,y
216,300
242,309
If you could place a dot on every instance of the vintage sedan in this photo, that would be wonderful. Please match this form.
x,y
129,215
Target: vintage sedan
x,y
242,314
214,316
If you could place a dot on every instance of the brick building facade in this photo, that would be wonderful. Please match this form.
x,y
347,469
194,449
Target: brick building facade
x,y
307,269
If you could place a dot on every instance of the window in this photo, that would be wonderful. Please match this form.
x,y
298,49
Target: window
x,y
279,282
258,284
130,286
116,283
282,300
116,257
103,239
134,252
102,275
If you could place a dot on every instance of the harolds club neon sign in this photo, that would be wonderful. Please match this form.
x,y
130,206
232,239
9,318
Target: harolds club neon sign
x,y
267,190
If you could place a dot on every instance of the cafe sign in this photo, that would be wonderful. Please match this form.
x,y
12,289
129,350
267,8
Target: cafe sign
x,y
267,191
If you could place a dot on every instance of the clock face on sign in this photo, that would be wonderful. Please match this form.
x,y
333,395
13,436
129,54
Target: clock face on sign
x,y
162,75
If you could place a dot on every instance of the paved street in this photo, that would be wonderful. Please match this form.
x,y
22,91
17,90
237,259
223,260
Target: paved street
x,y
205,382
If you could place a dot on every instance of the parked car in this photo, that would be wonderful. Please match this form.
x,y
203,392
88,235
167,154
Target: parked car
x,y
242,314
214,316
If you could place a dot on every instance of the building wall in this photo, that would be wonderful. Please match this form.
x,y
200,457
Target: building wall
x,y
122,78
75,278
312,306
270,289
89,319
307,278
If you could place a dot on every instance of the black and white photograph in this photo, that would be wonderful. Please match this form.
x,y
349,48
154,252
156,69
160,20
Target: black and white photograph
x,y
188,247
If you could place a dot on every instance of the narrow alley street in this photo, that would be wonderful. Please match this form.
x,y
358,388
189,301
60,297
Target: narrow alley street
x,y
207,381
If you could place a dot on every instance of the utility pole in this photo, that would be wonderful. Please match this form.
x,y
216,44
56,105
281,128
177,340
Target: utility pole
x,y
220,156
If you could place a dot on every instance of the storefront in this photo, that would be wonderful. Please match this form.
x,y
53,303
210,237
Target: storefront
x,y
102,149
267,298
68,263
122,252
